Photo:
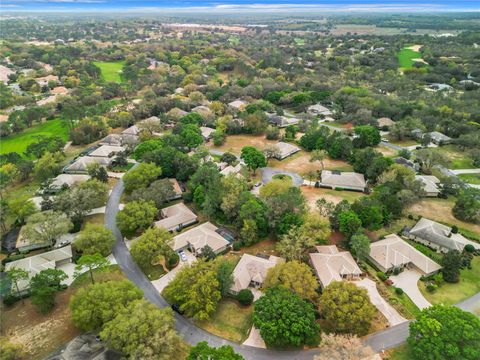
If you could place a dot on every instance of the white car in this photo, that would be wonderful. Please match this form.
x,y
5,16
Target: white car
x,y
183,256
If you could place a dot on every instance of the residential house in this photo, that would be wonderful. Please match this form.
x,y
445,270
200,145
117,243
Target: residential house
x,y
231,170
343,180
285,150
439,138
207,132
43,81
237,105
333,265
66,180
203,111
200,236
251,271
407,163
80,165
430,184
176,114
395,253
385,122
112,140
438,236
282,121
176,188
176,217
318,109
34,264
106,151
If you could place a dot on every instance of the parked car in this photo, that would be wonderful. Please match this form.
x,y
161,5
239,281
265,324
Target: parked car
x,y
183,256
176,308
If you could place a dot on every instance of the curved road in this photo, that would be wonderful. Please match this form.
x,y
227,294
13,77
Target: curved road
x,y
379,341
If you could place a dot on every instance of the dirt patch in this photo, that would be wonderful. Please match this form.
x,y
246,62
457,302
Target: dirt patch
x,y
312,194
415,47
235,143
300,163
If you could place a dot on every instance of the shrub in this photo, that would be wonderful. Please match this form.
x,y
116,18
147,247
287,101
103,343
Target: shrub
x,y
172,261
431,288
454,229
399,291
237,245
13,257
245,297
397,271
10,299
469,248
382,276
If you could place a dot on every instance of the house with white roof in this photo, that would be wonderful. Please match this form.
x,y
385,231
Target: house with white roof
x,y
333,265
80,165
207,132
319,109
395,253
430,184
251,271
66,180
438,236
34,264
106,151
282,121
237,105
343,180
439,138
284,150
176,217
200,236
231,170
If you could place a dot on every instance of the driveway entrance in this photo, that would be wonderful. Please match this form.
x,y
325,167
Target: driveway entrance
x,y
407,281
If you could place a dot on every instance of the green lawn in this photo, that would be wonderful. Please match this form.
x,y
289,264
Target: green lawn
x,y
234,40
453,293
470,178
458,159
401,352
299,41
19,142
405,57
230,321
111,70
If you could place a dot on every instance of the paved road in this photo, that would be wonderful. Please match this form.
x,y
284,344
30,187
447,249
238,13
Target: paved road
x,y
391,146
268,173
466,171
384,339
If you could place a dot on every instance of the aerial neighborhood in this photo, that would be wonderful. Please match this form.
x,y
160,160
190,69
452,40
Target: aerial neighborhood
x,y
282,187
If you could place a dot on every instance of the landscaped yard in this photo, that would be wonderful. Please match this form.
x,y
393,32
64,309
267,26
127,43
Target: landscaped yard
x,y
441,210
19,142
312,194
470,178
451,294
458,159
42,334
111,70
230,321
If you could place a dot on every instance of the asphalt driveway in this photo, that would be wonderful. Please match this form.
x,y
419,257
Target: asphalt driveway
x,y
268,173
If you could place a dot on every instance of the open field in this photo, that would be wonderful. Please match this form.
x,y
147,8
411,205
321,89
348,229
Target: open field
x,y
42,334
230,321
19,142
406,55
458,159
312,194
450,294
111,70
403,143
300,163
470,178
235,143
386,151
441,210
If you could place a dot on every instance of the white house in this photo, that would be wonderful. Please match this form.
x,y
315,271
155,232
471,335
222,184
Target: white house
x,y
343,180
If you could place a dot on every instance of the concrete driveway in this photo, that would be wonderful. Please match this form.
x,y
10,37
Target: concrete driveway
x,y
255,339
407,281
162,283
384,307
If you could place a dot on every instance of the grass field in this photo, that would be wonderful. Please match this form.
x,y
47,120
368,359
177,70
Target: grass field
x,y
234,40
230,321
399,353
312,194
299,41
470,178
458,159
450,294
111,70
405,57
19,142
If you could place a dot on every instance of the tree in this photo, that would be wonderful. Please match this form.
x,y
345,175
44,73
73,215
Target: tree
x,y
20,209
245,297
46,227
147,249
360,245
13,351
294,244
136,216
95,305
141,176
16,275
97,172
294,276
366,135
347,307
43,287
151,332
195,289
452,263
285,319
249,232
48,166
159,191
91,263
430,157
191,136
343,347
225,275
316,227
253,157
445,333
228,157
232,188
202,351
318,155
349,223
95,238
467,206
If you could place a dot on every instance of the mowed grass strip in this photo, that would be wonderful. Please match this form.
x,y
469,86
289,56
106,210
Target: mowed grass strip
x,y
111,70
19,142
405,57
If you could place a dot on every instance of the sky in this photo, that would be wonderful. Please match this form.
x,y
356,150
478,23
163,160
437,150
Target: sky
x,y
239,6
